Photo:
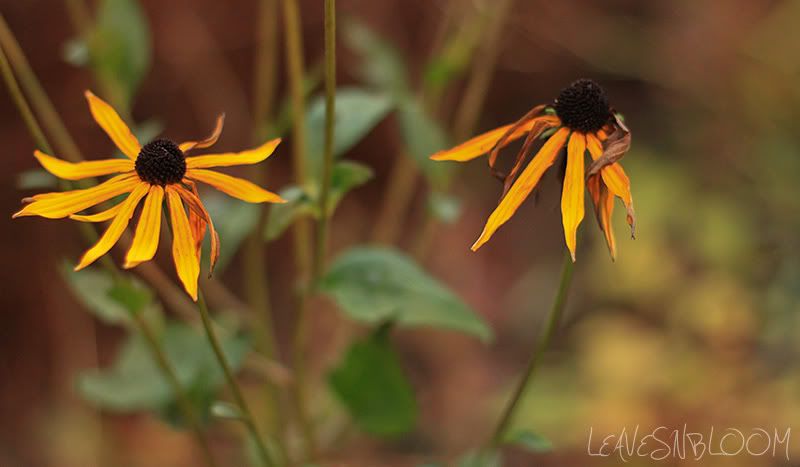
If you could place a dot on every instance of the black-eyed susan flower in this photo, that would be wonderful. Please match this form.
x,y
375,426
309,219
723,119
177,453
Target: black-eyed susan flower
x,y
155,172
580,119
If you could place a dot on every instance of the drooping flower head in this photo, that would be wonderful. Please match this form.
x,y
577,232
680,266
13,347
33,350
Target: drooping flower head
x,y
581,119
154,172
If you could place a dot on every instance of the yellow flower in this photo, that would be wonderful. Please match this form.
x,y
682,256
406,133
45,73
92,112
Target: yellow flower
x,y
581,119
152,172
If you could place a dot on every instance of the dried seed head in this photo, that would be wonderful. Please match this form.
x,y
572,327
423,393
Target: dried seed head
x,y
583,106
161,162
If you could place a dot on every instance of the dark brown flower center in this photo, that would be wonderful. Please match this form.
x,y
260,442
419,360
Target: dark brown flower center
x,y
583,106
161,162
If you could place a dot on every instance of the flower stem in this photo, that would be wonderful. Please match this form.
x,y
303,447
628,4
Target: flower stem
x,y
247,415
301,229
553,321
180,394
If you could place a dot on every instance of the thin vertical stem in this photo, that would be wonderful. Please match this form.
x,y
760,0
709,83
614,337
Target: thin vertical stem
x,y
233,385
172,378
255,260
551,326
330,120
22,105
301,229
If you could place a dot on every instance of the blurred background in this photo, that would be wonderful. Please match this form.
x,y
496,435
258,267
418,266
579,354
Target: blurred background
x,y
695,323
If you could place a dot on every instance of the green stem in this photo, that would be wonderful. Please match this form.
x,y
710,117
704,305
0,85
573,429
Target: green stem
x,y
553,321
301,229
233,385
255,263
169,372
330,121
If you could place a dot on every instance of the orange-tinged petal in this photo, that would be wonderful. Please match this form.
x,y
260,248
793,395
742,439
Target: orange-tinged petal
x,y
58,205
115,229
198,220
145,239
484,143
80,170
187,264
112,124
233,186
615,179
209,141
252,156
523,186
606,208
101,216
572,193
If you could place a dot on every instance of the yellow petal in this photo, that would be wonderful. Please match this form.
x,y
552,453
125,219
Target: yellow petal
x,y
112,124
236,187
187,264
572,193
80,170
208,141
484,143
252,156
145,239
115,229
58,205
615,179
101,216
523,186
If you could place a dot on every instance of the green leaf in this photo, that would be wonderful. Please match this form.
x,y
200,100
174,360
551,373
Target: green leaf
x,y
76,52
444,207
121,48
36,179
347,175
281,216
234,221
381,64
423,136
374,285
134,382
112,302
371,384
357,112
529,440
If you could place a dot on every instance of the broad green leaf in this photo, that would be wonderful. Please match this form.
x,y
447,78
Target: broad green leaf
x,y
134,382
281,216
528,440
381,63
373,387
112,302
444,207
423,136
374,285
121,48
357,112
347,175
234,220
36,179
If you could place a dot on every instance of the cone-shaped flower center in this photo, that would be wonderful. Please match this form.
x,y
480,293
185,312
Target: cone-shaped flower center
x,y
583,106
161,162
